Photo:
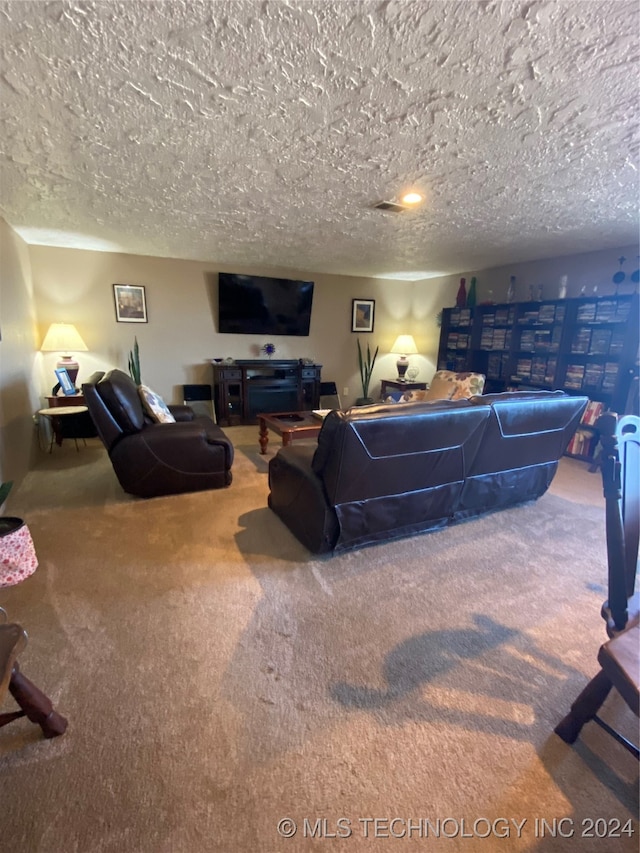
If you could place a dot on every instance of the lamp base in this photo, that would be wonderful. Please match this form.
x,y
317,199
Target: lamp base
x,y
71,366
401,366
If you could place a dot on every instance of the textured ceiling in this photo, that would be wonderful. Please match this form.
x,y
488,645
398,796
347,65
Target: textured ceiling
x,y
260,132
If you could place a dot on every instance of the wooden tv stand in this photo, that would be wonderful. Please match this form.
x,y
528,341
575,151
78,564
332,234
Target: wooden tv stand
x,y
243,389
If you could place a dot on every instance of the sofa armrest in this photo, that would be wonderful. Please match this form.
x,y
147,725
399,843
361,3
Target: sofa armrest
x,y
188,444
182,413
297,496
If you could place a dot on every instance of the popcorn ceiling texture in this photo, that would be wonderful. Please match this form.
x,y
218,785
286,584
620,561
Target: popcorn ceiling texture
x,y
262,132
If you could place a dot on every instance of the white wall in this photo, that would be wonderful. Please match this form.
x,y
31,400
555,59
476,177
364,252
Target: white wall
x,y
18,382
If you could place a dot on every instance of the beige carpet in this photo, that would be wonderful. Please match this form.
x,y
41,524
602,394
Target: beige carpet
x,y
219,679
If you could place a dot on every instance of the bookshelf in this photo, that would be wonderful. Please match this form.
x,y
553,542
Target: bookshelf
x,y
585,346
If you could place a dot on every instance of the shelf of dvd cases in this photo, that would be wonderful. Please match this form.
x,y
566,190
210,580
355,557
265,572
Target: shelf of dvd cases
x,y
586,345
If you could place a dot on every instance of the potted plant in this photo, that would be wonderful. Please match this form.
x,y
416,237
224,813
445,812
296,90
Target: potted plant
x,y
134,363
366,369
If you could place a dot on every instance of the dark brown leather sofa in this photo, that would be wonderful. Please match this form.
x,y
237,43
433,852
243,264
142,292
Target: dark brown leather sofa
x,y
387,471
149,458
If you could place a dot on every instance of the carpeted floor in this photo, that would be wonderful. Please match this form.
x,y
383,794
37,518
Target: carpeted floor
x,y
218,679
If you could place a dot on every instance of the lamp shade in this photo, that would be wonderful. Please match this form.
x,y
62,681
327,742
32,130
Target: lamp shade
x,y
404,345
63,338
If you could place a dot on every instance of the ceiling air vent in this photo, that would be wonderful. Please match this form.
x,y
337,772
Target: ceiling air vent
x,y
391,206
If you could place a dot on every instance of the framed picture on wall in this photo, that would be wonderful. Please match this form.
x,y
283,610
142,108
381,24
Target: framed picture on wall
x,y
362,311
131,303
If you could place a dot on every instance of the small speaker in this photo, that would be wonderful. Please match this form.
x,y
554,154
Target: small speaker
x,y
200,400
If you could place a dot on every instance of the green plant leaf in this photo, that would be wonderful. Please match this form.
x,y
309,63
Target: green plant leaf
x,y
366,367
5,488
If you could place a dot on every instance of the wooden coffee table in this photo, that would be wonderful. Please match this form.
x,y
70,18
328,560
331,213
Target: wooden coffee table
x,y
289,425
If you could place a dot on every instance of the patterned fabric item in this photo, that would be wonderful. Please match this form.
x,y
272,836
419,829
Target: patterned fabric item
x,y
17,556
447,385
155,406
415,396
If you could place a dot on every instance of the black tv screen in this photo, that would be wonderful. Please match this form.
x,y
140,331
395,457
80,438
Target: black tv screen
x,y
256,305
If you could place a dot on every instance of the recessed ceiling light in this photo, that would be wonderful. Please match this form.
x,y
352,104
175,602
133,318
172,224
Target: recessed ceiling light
x,y
411,198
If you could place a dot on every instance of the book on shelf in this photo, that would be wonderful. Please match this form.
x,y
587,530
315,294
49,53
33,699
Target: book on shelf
x,y
527,339
486,338
460,317
600,342
593,375
538,369
606,311
542,340
550,372
587,312
574,376
547,313
610,375
581,341
617,343
582,443
623,307
592,412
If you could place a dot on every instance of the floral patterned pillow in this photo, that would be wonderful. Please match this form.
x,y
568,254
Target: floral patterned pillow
x,y
447,385
414,396
155,406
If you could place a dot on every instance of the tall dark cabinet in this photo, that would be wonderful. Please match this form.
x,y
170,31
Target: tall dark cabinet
x,y
586,346
244,388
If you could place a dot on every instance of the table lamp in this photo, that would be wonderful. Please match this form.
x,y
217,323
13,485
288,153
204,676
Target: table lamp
x,y
403,346
65,339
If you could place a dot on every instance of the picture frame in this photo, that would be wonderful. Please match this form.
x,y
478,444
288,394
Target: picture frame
x,y
362,315
130,302
65,381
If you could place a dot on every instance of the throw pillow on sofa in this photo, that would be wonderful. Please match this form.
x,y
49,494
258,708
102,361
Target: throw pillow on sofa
x,y
155,406
448,385
414,396
441,387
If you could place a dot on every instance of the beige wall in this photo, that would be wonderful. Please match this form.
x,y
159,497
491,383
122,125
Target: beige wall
x,y
180,339
18,384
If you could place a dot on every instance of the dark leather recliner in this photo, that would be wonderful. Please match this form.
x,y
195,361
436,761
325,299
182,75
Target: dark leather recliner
x,y
149,458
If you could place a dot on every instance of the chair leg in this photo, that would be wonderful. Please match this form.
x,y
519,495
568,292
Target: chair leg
x,y
36,706
584,708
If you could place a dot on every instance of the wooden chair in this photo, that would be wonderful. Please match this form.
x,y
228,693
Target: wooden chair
x,y
33,703
619,658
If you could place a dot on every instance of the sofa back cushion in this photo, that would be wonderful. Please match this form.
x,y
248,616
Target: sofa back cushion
x,y
526,428
381,450
120,395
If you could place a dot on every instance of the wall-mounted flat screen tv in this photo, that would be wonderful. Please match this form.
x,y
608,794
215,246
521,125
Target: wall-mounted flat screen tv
x,y
256,305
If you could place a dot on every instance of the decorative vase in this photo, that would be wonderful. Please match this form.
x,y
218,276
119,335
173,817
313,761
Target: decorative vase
x,y
461,298
472,296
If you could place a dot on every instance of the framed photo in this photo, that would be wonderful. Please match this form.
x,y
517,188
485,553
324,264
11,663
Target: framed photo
x,y
65,380
362,311
131,304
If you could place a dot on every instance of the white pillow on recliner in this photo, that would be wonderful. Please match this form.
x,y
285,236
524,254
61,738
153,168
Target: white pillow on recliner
x,y
155,406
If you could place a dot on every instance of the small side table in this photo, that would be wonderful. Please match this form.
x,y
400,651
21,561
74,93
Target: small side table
x,y
65,400
56,414
397,385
